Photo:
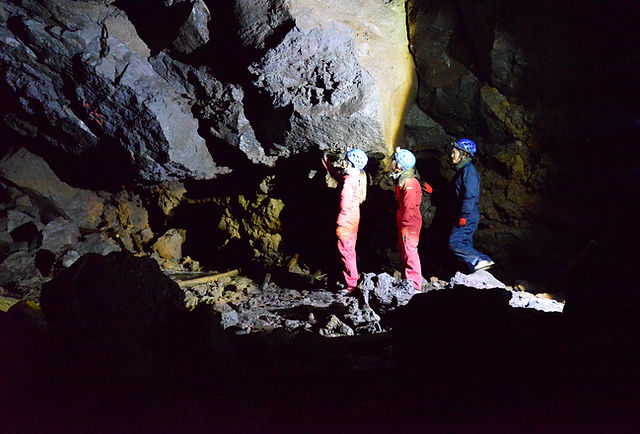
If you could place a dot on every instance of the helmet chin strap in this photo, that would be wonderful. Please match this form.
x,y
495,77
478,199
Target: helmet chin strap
x,y
346,165
396,175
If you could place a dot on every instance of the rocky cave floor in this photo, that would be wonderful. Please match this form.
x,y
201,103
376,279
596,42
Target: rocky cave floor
x,y
287,354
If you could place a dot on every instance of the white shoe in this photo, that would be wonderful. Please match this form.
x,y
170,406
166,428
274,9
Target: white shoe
x,y
483,265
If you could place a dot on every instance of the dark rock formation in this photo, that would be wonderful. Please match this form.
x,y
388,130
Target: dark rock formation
x,y
384,293
118,310
538,103
77,79
46,217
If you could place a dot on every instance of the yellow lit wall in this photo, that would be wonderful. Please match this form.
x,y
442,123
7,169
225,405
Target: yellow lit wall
x,y
382,46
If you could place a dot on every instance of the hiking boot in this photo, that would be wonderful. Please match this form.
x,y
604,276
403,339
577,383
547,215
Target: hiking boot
x,y
483,265
347,291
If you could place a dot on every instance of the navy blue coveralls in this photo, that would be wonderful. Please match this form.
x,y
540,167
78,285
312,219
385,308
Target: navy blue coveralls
x,y
467,189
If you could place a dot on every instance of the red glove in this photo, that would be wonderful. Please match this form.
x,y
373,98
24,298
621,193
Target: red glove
x,y
462,222
426,187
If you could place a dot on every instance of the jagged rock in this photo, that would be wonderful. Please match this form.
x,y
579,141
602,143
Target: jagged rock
x,y
34,176
18,265
426,134
59,233
481,279
110,105
133,216
335,327
97,243
168,196
364,319
219,106
194,32
383,292
229,316
325,96
508,63
70,257
169,245
17,218
530,301
259,20
254,220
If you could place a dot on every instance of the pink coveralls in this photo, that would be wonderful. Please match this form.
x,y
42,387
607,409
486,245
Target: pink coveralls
x,y
347,225
409,221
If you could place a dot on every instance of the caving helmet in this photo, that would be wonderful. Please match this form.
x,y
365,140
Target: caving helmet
x,y
466,145
358,158
405,159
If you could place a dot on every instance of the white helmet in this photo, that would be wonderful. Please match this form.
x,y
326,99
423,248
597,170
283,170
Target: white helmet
x,y
358,158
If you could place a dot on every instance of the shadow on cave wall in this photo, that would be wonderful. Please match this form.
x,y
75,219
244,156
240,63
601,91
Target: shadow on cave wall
x,y
574,79
309,218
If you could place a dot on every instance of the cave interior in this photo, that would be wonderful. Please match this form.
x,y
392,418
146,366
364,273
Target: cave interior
x,y
146,139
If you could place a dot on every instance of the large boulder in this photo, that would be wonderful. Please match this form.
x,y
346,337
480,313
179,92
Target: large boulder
x,y
119,311
117,294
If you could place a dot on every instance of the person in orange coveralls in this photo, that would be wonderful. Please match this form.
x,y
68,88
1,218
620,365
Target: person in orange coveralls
x,y
408,217
354,191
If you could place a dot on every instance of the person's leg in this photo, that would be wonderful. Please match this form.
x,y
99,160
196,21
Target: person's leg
x,y
413,269
347,249
461,244
401,248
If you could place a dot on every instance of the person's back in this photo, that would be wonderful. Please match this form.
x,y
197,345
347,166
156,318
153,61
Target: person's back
x,y
467,190
353,193
408,217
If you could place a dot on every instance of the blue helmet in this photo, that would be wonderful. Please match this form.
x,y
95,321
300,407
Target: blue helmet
x,y
358,158
466,145
405,159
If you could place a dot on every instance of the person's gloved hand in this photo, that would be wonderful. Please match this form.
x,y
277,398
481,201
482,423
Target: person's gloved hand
x,y
325,161
403,233
426,187
462,222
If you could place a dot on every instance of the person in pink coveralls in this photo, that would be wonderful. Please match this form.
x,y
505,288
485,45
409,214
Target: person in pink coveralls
x,y
354,190
408,218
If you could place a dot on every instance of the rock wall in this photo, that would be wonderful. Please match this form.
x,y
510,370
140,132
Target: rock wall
x,y
76,77
535,86
241,90
94,81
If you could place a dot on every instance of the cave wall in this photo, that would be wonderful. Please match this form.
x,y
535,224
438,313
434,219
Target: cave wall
x,y
542,89
238,99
